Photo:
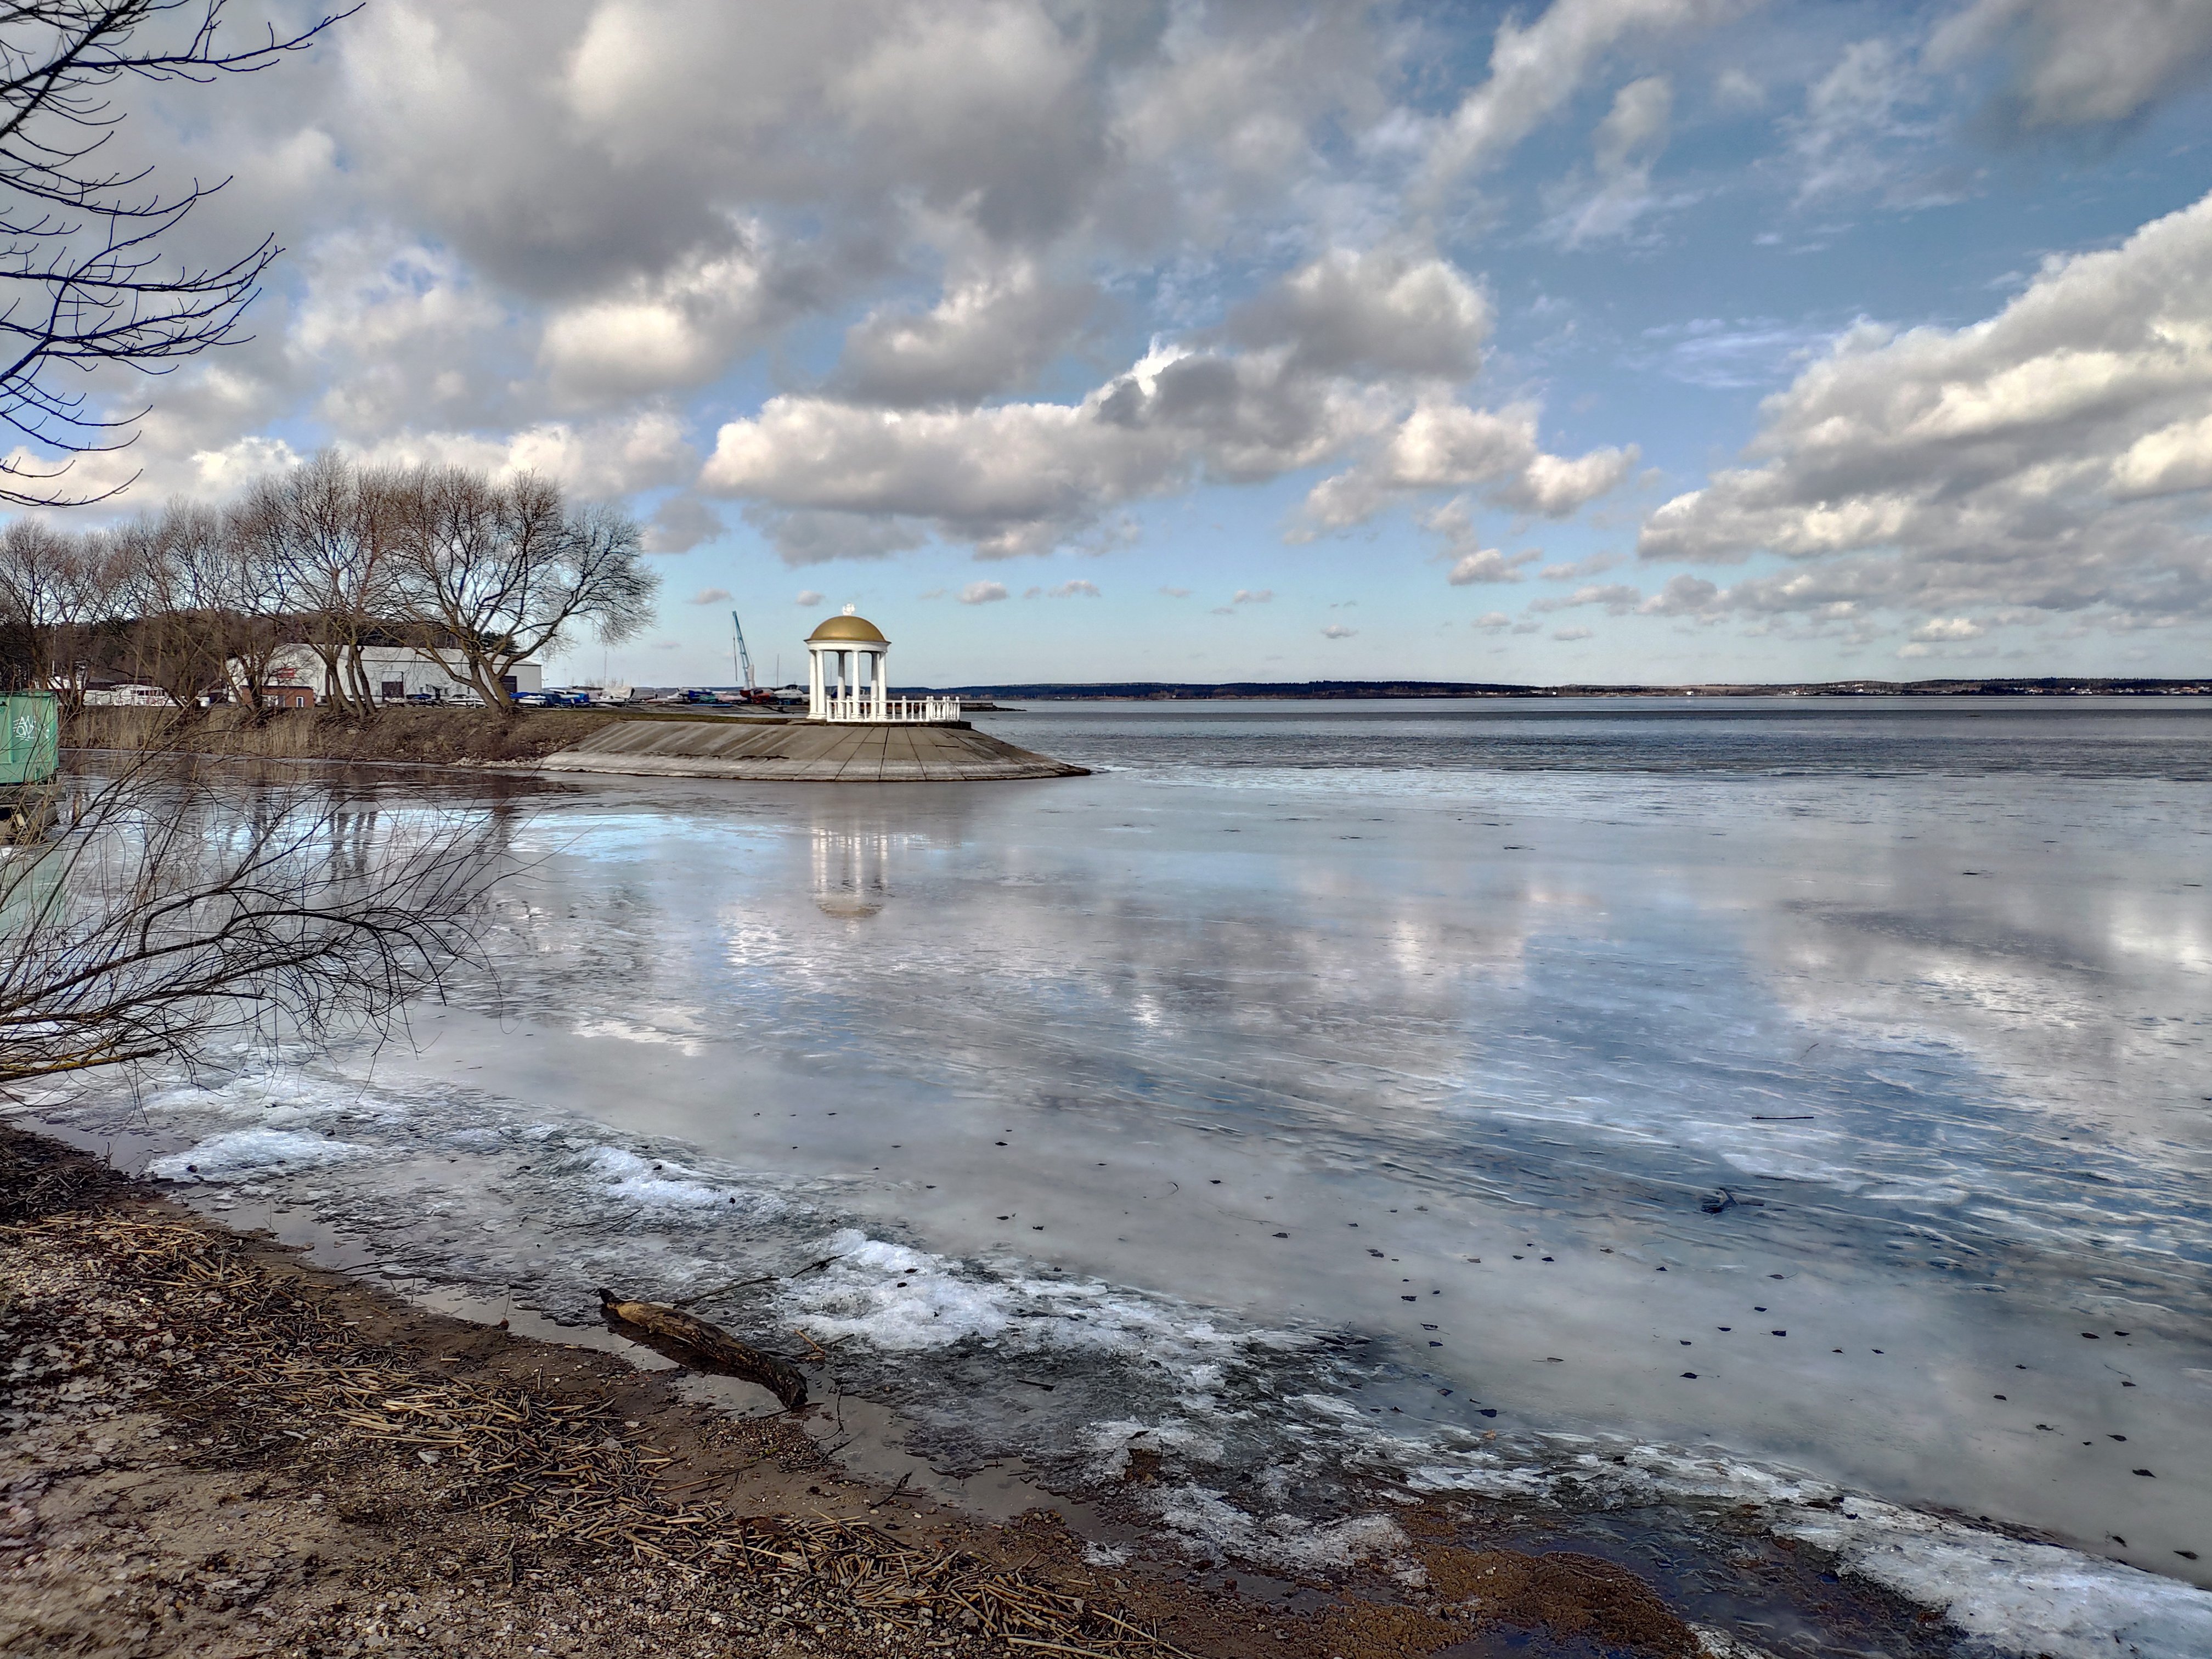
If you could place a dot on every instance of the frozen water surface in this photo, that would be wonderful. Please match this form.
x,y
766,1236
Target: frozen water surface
x,y
1797,1104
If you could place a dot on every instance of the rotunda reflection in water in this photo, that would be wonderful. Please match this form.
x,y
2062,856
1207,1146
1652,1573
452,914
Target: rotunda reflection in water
x,y
852,870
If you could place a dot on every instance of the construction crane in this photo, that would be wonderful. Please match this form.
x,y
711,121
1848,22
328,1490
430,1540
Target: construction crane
x,y
743,662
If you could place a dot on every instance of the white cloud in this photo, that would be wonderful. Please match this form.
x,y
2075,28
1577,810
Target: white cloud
x,y
1949,628
1534,69
1595,565
652,193
1635,125
1449,446
677,328
1384,314
1571,634
992,332
393,325
1874,125
983,592
680,524
1487,564
1683,596
1491,621
1734,89
501,215
1471,560
1863,123
952,84
1619,599
1337,631
818,535
1075,589
1176,592
2081,63
1324,355
1732,353
807,599
709,596
2173,459
1234,113
1625,147
218,474
1253,596
602,458
2051,456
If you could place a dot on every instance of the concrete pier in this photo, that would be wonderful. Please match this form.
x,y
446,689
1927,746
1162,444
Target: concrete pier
x,y
803,751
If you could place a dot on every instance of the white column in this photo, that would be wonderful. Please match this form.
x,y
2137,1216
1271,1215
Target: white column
x,y
813,683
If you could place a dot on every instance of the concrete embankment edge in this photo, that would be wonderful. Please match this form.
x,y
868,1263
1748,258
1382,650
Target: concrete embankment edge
x,y
804,752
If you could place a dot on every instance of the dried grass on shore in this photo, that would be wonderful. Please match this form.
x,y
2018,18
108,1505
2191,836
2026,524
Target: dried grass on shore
x,y
565,1477
415,736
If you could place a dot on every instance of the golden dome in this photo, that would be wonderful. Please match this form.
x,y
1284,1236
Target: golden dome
x,y
849,627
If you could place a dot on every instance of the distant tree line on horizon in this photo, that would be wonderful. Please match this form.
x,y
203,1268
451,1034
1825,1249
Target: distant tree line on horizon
x,y
477,575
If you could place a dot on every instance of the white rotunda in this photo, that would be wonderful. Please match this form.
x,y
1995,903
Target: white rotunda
x,y
847,681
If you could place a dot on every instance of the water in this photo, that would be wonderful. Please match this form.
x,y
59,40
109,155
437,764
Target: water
x,y
1676,1105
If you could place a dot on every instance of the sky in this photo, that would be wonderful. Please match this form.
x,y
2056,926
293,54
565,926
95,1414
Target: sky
x,y
1605,340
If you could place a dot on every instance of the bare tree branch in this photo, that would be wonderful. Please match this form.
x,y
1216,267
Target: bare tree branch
x,y
490,575
327,527
182,906
83,279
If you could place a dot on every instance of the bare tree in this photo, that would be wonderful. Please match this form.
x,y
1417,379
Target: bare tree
x,y
490,575
55,586
175,578
181,908
83,278
327,527
252,593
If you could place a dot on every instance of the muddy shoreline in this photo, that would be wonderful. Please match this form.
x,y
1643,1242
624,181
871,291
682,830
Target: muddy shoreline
x,y
212,1447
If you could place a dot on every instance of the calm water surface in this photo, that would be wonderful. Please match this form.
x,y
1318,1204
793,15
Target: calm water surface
x,y
1800,1104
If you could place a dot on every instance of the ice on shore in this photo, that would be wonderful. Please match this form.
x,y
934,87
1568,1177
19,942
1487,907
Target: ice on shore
x,y
248,1154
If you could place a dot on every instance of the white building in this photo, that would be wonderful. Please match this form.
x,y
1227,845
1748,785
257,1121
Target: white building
x,y
396,673
126,697
848,678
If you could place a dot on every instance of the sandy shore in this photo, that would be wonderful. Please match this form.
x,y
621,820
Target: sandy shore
x,y
211,1448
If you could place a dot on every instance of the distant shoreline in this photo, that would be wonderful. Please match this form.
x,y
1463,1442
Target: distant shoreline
x,y
1348,690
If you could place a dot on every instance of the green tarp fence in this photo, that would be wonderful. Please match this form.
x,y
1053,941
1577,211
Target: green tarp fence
x,y
33,737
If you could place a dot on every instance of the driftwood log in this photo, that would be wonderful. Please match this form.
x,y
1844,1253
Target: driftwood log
x,y
707,1345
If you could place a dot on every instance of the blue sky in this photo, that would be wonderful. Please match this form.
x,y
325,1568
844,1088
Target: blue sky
x,y
1605,340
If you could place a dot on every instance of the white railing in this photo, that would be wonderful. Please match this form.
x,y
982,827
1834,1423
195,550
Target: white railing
x,y
862,708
